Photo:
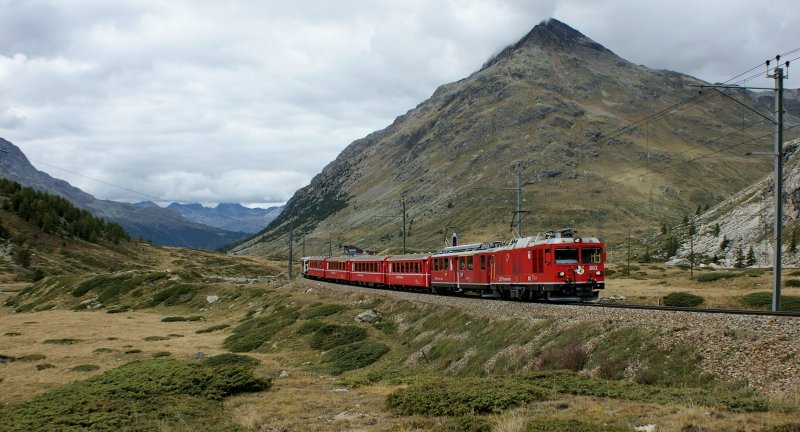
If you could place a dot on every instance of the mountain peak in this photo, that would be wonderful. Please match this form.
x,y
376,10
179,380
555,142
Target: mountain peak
x,y
555,33
550,34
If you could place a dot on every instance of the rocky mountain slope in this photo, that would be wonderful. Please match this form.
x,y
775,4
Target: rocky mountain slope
x,y
565,108
156,224
744,221
229,216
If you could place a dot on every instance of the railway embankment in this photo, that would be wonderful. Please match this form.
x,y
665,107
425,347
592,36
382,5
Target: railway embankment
x,y
754,352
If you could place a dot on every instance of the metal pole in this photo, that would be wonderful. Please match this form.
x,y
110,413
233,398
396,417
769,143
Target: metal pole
x,y
519,202
628,269
404,225
290,252
777,229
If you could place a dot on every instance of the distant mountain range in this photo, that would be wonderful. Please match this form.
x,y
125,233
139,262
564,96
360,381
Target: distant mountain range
x,y
229,216
159,225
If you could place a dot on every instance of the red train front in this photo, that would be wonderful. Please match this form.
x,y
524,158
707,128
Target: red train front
x,y
557,265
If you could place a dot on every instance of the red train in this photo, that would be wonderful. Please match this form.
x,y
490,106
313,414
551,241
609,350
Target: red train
x,y
556,265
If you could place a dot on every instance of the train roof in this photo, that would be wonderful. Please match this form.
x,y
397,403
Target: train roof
x,y
368,258
410,257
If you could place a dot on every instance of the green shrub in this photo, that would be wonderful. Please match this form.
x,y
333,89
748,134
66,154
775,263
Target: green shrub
x,y
332,335
468,423
559,425
103,350
174,295
353,356
84,368
161,354
213,328
181,318
133,351
387,327
65,341
581,385
764,300
715,276
317,310
231,359
309,327
572,356
792,283
121,309
41,367
12,334
683,299
31,357
155,338
457,397
252,334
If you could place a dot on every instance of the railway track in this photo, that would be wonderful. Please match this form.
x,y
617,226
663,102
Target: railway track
x,y
686,309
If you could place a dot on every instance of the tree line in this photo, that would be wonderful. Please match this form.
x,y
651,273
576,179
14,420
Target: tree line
x,y
56,215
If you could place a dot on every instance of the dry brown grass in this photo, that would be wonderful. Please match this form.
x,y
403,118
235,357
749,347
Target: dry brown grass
x,y
95,330
650,284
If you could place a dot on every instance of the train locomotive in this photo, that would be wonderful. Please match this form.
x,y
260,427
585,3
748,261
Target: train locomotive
x,y
551,266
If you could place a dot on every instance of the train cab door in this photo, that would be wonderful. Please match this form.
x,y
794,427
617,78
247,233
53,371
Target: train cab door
x,y
492,272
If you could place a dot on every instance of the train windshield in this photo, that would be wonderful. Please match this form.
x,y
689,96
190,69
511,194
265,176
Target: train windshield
x,y
567,256
592,255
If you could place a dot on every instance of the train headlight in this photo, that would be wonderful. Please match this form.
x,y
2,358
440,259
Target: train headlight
x,y
598,273
578,240
560,274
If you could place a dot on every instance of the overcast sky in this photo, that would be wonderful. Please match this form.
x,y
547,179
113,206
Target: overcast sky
x,y
245,101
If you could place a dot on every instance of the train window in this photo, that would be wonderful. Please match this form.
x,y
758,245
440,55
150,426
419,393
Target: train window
x,y
591,255
483,262
567,256
470,260
461,261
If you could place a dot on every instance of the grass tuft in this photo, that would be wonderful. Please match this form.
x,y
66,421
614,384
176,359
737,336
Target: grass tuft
x,y
352,356
318,310
332,335
441,396
65,341
213,328
84,368
683,299
182,318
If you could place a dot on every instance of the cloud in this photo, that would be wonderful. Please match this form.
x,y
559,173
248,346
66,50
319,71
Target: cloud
x,y
246,101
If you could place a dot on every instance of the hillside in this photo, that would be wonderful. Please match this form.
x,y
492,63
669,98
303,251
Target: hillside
x,y
557,103
152,223
744,222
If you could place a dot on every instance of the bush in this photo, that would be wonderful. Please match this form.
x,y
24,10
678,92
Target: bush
x,y
332,335
174,295
764,300
683,299
253,333
231,359
41,367
792,283
353,356
711,277
458,397
213,328
309,327
31,357
181,318
85,368
572,356
469,423
317,310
